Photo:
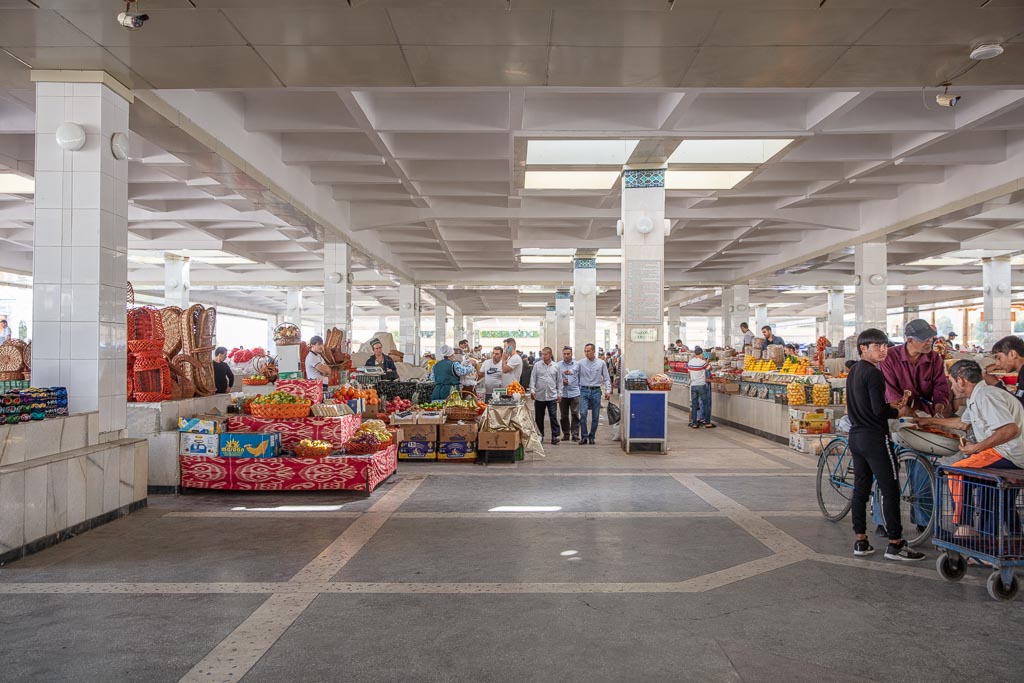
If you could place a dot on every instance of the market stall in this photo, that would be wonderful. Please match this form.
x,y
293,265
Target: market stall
x,y
336,430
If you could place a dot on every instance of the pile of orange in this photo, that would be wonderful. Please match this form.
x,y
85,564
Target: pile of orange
x,y
349,392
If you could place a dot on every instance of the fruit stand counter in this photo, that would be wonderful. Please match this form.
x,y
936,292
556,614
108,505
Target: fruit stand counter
x,y
761,416
337,430
362,473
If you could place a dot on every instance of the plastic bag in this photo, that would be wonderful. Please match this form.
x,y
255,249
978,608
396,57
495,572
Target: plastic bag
x,y
614,414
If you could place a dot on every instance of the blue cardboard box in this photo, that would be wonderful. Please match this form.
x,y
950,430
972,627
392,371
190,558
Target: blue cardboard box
x,y
456,450
417,450
239,445
198,444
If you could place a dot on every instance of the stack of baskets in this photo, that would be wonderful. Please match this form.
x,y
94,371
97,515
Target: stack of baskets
x,y
151,375
15,360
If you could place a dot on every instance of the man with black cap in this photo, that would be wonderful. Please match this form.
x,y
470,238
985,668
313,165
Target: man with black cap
x,y
316,366
915,368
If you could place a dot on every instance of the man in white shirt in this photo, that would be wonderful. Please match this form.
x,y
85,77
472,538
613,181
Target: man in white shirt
x,y
490,373
997,420
5,330
593,378
700,391
545,390
511,362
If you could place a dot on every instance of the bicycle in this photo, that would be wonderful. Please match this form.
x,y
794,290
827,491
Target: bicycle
x,y
916,482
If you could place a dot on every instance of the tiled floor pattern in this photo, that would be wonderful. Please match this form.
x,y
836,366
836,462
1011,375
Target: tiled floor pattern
x,y
709,563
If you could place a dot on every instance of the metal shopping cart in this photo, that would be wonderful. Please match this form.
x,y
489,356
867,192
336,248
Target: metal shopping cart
x,y
978,517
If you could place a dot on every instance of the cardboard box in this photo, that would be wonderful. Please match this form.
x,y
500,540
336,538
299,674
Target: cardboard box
x,y
203,424
198,444
807,443
810,426
497,441
456,450
458,431
357,405
430,417
816,414
418,432
397,434
417,450
728,387
240,445
406,417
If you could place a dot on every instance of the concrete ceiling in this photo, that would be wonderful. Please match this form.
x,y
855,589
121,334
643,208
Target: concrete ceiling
x,y
427,183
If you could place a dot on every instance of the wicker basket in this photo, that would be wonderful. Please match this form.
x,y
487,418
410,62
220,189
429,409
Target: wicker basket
x,y
363,448
463,414
311,451
145,346
11,376
11,359
172,330
271,411
250,382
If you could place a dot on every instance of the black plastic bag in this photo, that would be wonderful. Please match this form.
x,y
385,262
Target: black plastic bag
x,y
614,414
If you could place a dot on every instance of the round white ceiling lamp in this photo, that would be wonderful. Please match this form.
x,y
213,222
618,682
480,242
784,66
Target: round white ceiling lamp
x,y
70,136
119,146
876,279
987,51
334,277
644,225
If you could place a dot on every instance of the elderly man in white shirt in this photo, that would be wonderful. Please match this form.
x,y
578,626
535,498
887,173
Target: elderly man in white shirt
x,y
545,390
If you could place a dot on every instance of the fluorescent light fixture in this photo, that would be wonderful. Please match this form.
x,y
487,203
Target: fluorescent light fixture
x,y
703,180
727,151
571,180
608,259
942,261
579,152
533,304
526,508
212,257
539,251
545,259
609,252
366,303
12,183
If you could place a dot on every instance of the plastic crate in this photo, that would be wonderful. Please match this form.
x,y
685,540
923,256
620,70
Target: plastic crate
x,y
636,385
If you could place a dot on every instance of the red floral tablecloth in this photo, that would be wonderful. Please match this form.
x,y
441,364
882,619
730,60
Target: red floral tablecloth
x,y
337,430
346,473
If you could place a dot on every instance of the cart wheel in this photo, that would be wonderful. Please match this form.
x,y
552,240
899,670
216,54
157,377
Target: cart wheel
x,y
999,590
950,569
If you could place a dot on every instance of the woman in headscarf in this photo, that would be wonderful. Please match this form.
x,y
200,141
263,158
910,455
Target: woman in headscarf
x,y
446,374
380,360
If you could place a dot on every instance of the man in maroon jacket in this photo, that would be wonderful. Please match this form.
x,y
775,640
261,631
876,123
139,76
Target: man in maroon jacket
x,y
916,368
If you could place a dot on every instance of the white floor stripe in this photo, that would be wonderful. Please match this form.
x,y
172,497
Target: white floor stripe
x,y
236,654
925,569
552,515
257,515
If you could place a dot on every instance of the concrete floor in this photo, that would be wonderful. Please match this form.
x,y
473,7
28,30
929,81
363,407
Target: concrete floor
x,y
710,563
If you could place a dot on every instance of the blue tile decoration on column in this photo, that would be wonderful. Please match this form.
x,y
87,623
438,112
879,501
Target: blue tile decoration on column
x,y
561,295
652,177
585,263
551,309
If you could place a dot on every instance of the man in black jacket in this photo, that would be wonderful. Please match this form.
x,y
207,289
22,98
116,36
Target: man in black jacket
x,y
871,447
223,378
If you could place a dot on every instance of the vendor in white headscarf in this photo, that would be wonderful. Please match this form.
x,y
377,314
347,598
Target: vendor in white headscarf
x,y
447,373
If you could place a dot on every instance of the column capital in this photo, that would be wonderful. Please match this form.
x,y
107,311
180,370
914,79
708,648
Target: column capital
x,y
75,76
639,178
581,263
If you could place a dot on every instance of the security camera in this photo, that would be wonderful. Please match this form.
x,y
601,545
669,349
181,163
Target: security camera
x,y
947,100
130,18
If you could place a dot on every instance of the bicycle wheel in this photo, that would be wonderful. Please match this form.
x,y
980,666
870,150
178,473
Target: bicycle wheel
x,y
835,480
917,498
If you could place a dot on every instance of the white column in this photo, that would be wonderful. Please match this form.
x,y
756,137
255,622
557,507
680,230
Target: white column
x,y
176,280
911,313
470,333
440,327
871,268
711,339
584,305
995,273
836,310
736,312
293,312
549,329
674,324
382,323
80,251
337,287
409,322
760,318
271,326
562,321
643,269
682,332
460,327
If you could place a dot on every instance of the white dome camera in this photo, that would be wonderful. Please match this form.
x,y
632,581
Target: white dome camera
x,y
131,18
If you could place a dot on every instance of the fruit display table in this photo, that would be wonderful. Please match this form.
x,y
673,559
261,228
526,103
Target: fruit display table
x,y
343,473
337,430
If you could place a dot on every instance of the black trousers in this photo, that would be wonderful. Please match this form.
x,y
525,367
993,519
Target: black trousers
x,y
549,407
874,459
569,411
